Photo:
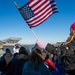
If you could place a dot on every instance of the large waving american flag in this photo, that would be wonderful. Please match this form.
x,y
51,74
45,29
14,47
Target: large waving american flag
x,y
36,12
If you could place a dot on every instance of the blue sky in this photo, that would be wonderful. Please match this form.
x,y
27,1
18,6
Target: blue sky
x,y
54,29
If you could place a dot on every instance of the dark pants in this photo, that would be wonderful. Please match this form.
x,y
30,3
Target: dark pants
x,y
70,72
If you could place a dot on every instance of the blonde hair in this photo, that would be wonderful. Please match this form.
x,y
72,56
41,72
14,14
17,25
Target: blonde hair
x,y
71,37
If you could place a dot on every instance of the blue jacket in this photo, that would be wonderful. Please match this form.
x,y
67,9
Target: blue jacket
x,y
28,69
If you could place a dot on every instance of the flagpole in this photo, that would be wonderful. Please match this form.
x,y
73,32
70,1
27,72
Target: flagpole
x,y
16,5
34,33
30,28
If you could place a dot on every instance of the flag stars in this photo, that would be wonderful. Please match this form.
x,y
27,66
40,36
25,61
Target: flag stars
x,y
26,12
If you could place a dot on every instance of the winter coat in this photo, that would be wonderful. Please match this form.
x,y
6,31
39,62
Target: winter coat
x,y
6,61
17,64
66,53
28,69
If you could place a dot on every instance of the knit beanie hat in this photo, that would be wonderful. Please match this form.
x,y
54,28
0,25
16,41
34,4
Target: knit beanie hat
x,y
73,26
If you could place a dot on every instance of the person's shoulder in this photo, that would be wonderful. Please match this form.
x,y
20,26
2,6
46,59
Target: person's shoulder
x,y
42,66
26,63
63,46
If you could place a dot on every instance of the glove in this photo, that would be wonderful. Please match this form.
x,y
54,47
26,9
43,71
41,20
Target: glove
x,y
41,44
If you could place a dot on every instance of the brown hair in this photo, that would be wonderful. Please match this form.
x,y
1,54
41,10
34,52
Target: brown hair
x,y
71,37
36,57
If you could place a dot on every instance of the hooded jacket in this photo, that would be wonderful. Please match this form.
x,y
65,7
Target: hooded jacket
x,y
66,53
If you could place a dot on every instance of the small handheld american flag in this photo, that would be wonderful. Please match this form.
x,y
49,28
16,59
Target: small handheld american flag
x,y
36,12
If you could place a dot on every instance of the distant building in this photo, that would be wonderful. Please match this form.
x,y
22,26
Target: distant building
x,y
9,43
13,45
11,40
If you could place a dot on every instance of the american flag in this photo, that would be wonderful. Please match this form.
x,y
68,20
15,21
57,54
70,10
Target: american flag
x,y
36,12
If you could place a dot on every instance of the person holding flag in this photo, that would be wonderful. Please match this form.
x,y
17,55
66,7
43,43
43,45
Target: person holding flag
x,y
36,12
65,52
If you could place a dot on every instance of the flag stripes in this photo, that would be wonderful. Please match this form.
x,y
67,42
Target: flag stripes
x,y
41,10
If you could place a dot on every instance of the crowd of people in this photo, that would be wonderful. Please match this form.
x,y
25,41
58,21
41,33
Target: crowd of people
x,y
44,59
24,63
64,54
